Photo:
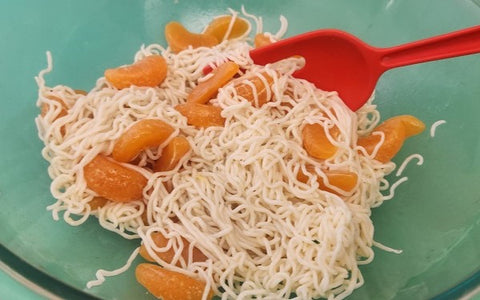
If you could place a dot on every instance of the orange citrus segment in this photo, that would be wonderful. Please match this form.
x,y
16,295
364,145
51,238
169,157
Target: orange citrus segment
x,y
169,285
80,92
412,125
179,38
201,115
172,153
167,256
396,131
261,39
97,202
207,89
113,181
219,26
316,143
144,134
63,111
149,71
343,180
45,107
245,90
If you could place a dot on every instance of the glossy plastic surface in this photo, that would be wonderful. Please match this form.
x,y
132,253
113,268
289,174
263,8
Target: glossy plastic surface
x,y
338,61
434,217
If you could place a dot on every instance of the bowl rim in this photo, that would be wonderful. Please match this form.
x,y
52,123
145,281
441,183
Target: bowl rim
x,y
52,288
36,280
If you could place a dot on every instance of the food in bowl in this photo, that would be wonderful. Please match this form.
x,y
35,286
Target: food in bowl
x,y
239,180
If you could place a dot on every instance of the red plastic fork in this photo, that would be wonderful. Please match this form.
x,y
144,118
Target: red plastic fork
x,y
338,61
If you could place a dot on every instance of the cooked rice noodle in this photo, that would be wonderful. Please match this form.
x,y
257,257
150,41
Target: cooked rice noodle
x,y
236,196
434,127
407,160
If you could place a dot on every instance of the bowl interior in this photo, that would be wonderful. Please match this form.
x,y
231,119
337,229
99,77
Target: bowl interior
x,y
434,217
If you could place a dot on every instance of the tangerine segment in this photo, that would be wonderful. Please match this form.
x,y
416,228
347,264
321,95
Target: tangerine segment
x,y
172,153
80,92
113,181
207,89
316,142
169,285
63,111
245,90
412,125
45,107
143,134
149,71
343,180
167,256
219,26
261,39
201,115
144,217
396,131
97,202
179,38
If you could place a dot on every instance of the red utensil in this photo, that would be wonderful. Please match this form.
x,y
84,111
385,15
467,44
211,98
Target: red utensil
x,y
338,61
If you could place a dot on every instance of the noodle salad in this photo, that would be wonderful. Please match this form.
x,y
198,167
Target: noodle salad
x,y
238,180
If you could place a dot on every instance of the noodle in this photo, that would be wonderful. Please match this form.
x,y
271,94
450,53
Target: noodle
x,y
434,127
236,196
385,248
283,28
101,274
407,160
393,187
258,20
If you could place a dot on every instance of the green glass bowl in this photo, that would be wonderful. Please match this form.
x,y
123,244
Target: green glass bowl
x,y
434,217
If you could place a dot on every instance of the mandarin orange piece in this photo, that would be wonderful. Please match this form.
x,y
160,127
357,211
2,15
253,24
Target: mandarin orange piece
x,y
169,285
167,256
302,177
396,131
261,39
343,180
97,202
219,26
316,143
172,153
143,134
145,217
63,111
168,186
113,181
179,38
394,138
45,107
149,71
80,92
264,92
207,89
201,115
412,125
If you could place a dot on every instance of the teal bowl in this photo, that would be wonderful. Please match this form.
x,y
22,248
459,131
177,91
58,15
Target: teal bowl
x,y
434,217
